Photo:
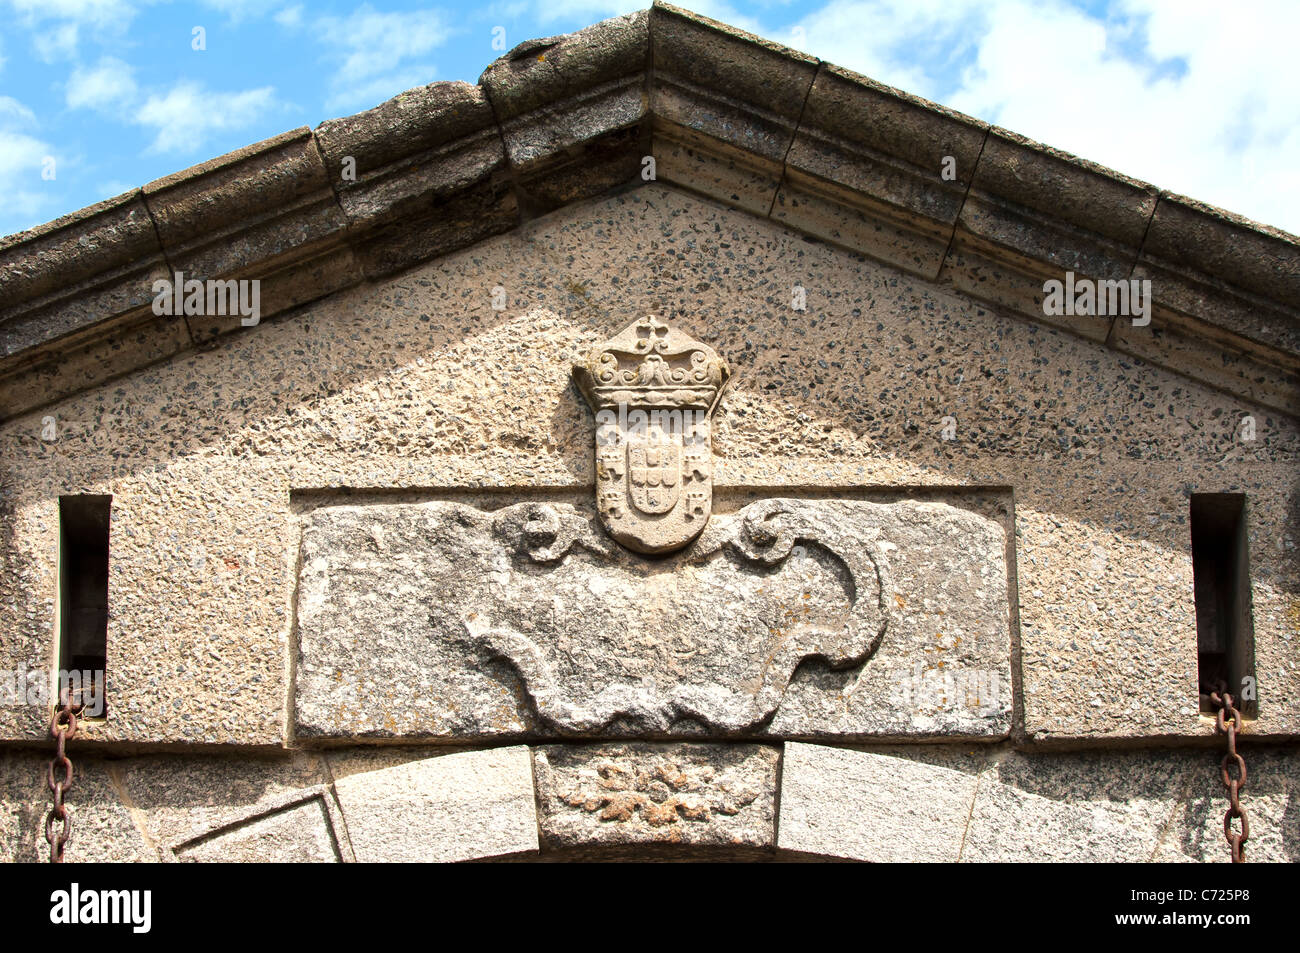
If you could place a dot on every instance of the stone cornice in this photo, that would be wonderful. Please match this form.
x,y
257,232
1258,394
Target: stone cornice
x,y
741,120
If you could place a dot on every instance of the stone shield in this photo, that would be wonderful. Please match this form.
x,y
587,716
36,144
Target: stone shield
x,y
653,390
654,471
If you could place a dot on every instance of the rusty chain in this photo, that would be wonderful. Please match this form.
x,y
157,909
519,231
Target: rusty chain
x,y
63,726
1228,721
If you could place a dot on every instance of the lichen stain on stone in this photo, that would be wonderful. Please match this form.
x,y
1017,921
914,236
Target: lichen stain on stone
x,y
1293,615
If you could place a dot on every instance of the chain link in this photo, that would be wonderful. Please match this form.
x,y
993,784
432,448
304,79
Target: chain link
x,y
1228,721
58,774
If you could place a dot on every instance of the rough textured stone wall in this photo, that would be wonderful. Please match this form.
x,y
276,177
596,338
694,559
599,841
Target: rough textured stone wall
x,y
415,389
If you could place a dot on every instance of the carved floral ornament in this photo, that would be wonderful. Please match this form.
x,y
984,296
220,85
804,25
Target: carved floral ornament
x,y
653,390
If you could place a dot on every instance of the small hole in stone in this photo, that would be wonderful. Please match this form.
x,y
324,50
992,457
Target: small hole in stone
x,y
83,598
1225,633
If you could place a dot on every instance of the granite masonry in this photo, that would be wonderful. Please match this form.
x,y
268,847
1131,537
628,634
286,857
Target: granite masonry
x,y
626,510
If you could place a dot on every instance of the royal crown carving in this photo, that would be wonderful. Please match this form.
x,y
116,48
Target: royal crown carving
x,y
653,390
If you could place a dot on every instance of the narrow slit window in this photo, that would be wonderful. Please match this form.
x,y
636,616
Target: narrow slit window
x,y
1225,633
83,596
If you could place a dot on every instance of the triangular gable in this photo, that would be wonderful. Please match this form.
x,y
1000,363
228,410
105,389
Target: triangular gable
x,y
742,120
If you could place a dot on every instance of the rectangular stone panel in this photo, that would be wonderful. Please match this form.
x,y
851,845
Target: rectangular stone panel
x,y
656,793
467,806
300,833
1089,807
785,618
908,806
199,808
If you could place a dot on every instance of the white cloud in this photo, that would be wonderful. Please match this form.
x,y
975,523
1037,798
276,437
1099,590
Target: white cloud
x,y
27,197
56,42
290,17
1226,130
109,85
12,112
369,42
372,50
370,92
96,11
188,114
549,11
887,39
237,10
26,194
1190,96
57,26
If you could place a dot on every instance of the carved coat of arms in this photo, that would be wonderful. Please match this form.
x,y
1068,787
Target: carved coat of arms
x,y
653,390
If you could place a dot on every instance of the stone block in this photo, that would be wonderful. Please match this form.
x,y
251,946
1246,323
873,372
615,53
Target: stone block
x,y
908,805
889,123
1271,799
95,265
727,175
298,833
251,214
539,73
418,147
1035,178
446,226
1206,353
103,826
695,54
185,539
468,806
866,170
607,162
726,105
24,799
215,808
873,228
271,192
1032,214
643,793
92,358
1231,252
555,94
572,111
1102,807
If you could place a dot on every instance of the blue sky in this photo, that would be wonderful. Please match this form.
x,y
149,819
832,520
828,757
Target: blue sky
x,y
1198,97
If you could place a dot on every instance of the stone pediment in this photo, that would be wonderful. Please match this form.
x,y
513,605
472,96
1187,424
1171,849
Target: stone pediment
x,y
741,120
352,546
